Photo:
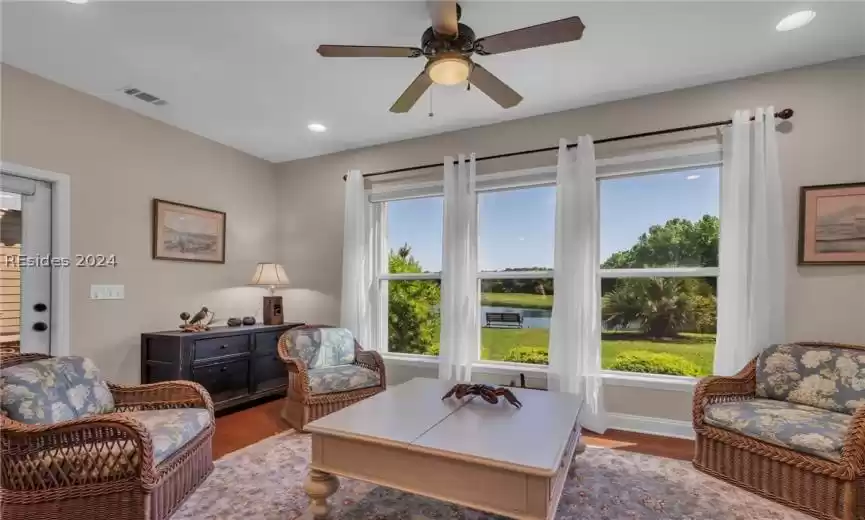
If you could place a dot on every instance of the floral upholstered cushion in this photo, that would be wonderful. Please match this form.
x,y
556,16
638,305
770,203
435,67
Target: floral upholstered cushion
x,y
794,426
171,429
831,378
321,347
51,390
341,378
336,348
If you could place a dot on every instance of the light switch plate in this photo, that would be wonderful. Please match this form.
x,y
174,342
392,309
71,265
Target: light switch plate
x,y
106,292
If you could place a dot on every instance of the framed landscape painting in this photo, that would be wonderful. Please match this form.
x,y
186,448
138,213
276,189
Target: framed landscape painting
x,y
832,224
187,233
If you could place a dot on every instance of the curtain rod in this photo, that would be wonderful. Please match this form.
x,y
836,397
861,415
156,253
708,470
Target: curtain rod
x,y
785,114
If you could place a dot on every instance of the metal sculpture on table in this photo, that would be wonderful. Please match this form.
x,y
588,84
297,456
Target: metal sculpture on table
x,y
486,392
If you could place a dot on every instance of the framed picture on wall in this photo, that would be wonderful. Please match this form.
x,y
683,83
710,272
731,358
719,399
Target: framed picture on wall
x,y
832,224
187,233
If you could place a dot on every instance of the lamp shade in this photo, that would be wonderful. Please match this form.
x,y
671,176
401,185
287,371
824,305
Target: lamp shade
x,y
269,275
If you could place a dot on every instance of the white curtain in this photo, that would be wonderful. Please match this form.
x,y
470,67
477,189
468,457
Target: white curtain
x,y
460,327
355,306
751,258
575,331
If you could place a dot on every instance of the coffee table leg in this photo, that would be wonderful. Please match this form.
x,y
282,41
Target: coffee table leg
x,y
579,449
319,486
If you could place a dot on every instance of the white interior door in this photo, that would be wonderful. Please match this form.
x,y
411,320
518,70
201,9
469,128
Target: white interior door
x,y
25,264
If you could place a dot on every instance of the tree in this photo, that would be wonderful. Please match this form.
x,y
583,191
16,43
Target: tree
x,y
679,242
413,306
662,306
665,307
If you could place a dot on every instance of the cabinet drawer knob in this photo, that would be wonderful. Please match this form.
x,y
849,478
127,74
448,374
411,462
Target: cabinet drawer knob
x,y
223,346
223,369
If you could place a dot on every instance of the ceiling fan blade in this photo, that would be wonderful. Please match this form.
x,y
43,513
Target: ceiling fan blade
x,y
494,87
367,51
560,31
414,91
443,14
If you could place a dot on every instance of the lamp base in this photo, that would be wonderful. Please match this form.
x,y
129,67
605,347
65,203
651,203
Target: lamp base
x,y
272,310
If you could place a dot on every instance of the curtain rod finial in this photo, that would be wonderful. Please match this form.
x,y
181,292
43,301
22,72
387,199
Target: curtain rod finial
x,y
787,113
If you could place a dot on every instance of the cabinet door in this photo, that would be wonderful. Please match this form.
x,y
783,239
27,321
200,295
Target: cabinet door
x,y
224,381
266,343
270,373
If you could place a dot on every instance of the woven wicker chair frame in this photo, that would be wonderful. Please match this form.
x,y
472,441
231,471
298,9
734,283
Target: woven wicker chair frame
x,y
302,406
822,488
101,466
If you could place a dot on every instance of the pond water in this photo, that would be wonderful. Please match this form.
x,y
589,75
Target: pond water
x,y
532,318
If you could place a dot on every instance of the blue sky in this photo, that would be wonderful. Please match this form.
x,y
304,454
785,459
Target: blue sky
x,y
516,227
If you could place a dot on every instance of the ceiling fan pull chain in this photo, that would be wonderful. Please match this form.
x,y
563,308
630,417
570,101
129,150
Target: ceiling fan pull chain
x,y
431,114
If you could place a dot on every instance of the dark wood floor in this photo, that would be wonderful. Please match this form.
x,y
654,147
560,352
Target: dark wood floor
x,y
241,428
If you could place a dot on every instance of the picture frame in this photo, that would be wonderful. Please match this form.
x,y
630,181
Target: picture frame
x,y
832,224
185,233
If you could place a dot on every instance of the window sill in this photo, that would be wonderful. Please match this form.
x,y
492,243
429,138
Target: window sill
x,y
650,381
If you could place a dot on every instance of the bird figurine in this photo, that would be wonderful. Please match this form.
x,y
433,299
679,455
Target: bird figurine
x,y
197,322
198,316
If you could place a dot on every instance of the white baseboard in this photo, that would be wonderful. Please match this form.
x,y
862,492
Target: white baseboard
x,y
651,425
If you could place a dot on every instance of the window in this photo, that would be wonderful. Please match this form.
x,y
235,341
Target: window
x,y
659,258
410,290
658,267
516,235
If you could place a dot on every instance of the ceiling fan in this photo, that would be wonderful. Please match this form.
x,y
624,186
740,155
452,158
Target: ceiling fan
x,y
448,46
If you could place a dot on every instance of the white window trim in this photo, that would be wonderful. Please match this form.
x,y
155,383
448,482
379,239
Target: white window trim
x,y
409,276
662,272
61,247
515,275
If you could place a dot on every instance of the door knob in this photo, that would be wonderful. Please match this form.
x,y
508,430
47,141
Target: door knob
x,y
40,307
40,326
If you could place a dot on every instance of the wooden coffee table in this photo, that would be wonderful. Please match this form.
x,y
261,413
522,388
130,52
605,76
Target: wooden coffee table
x,y
494,458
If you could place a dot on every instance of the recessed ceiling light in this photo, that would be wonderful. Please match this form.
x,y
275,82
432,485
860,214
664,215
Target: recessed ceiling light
x,y
77,1
795,20
316,127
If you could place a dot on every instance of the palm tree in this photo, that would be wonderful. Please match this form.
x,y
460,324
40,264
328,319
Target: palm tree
x,y
661,306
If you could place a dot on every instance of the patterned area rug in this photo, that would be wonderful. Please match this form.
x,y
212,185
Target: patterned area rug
x,y
264,481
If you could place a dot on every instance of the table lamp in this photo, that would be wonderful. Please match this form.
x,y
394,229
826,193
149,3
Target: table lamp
x,y
272,276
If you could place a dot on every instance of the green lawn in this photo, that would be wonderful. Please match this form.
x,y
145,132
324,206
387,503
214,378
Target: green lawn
x,y
520,300
697,348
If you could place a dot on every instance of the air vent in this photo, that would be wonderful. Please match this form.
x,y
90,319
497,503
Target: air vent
x,y
144,96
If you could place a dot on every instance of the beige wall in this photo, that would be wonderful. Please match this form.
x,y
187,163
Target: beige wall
x,y
824,144
118,161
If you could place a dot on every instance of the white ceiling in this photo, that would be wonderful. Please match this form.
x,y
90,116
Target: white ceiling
x,y
247,74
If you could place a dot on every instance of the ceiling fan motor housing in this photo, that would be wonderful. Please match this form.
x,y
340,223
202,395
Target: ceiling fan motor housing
x,y
434,44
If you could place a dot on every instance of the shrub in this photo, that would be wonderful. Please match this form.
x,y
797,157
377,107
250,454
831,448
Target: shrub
x,y
535,355
654,363
433,350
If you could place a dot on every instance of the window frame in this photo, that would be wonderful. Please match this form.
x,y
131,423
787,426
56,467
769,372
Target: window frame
x,y
658,162
380,307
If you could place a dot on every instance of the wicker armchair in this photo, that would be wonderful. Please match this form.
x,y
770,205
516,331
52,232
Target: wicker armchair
x,y
103,466
826,486
307,401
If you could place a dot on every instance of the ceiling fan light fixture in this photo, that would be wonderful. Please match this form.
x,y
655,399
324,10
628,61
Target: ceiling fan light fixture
x,y
449,71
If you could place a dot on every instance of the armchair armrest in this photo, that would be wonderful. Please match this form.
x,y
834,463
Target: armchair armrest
x,y
298,376
90,450
158,396
372,360
717,389
853,449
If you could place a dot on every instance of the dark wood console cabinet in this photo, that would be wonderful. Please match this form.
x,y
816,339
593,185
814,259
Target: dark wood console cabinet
x,y
234,364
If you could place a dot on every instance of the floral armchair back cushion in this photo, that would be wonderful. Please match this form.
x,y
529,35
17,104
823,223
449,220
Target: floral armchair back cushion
x,y
53,390
322,347
831,378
